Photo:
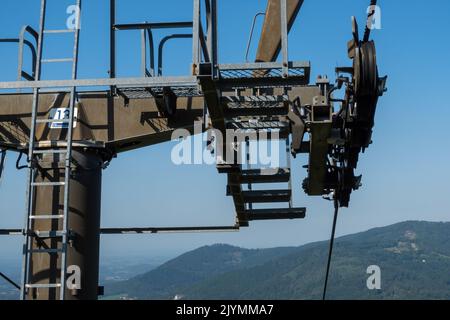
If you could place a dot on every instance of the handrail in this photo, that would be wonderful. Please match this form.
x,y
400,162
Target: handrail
x,y
145,72
251,34
204,43
33,52
146,26
22,41
161,47
152,50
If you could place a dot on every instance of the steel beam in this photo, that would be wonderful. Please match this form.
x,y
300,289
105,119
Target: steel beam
x,y
129,82
270,41
154,25
150,230
143,230
106,121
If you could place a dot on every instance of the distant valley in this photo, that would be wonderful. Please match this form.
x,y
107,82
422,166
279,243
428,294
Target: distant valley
x,y
414,258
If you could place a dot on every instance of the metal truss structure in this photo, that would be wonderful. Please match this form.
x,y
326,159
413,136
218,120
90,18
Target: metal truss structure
x,y
65,155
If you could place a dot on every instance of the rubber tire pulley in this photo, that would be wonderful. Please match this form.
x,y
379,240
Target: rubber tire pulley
x,y
365,70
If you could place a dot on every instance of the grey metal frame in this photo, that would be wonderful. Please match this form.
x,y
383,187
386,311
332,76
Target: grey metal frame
x,y
31,172
32,152
144,230
22,42
204,62
284,38
250,39
204,51
161,48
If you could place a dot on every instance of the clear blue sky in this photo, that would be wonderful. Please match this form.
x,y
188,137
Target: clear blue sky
x,y
405,173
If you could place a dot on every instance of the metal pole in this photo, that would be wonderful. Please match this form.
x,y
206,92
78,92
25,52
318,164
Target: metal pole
x,y
84,225
214,56
112,39
68,160
31,169
196,38
143,53
284,37
208,26
152,52
288,164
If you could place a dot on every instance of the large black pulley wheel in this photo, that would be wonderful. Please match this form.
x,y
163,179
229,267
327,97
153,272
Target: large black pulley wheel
x,y
365,70
366,91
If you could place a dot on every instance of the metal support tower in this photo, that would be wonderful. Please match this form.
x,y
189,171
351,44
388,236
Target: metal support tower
x,y
70,136
34,242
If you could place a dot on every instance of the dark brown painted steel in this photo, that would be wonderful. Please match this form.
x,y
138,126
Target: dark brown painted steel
x,y
276,214
257,176
266,196
84,222
270,41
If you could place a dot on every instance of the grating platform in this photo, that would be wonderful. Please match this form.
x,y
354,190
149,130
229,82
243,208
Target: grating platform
x,y
264,75
249,102
154,92
263,70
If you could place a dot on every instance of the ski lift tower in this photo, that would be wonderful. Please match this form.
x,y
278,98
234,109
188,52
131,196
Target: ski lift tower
x,y
67,133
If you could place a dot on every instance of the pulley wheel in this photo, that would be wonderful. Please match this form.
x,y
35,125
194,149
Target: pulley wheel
x,y
365,70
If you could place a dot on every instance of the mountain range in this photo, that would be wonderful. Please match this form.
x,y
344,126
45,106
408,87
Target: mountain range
x,y
413,257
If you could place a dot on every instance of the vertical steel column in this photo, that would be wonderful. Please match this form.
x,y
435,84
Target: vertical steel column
x,y
143,53
84,225
152,52
249,167
213,54
112,40
31,165
196,38
211,20
288,165
68,160
209,36
284,37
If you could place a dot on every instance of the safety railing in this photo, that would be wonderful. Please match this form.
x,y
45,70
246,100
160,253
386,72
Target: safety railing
x,y
22,41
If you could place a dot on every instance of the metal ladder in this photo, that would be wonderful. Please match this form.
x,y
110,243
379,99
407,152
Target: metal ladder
x,y
236,106
266,177
34,152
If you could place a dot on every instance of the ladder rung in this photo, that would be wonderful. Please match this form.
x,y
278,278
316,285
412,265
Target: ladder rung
x,y
60,31
46,285
58,90
52,121
48,184
266,176
46,251
57,151
228,168
266,196
56,60
46,217
275,214
49,234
